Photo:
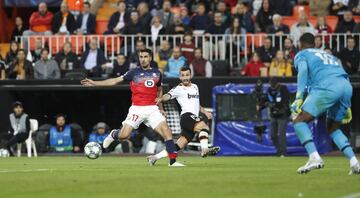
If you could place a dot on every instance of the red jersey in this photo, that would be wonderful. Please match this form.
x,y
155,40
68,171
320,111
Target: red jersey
x,y
143,85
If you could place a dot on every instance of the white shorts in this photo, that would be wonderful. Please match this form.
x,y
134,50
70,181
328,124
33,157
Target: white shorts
x,y
149,115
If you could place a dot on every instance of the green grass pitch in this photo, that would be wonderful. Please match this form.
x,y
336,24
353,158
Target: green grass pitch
x,y
210,177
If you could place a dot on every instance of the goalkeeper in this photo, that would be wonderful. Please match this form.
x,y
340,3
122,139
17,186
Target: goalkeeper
x,y
330,91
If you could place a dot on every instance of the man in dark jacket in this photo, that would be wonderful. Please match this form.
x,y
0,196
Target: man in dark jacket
x,y
19,129
93,59
66,59
350,57
21,68
86,21
118,20
63,22
278,100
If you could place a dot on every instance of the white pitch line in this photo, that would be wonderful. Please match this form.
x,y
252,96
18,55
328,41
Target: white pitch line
x,y
354,195
32,170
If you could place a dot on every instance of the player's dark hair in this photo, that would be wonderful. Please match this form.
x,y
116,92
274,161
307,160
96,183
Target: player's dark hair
x,y
185,68
146,51
307,40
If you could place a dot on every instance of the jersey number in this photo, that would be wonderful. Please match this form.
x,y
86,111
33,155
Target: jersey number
x,y
326,58
134,117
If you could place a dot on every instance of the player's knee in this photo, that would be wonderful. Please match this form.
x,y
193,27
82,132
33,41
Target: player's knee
x,y
303,117
332,125
200,126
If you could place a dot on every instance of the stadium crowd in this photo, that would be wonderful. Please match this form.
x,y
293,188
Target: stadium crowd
x,y
274,57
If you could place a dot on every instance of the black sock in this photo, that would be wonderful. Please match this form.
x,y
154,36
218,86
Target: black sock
x,y
177,147
115,135
171,149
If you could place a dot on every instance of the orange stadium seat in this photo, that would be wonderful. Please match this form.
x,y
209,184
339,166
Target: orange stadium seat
x,y
298,9
289,20
357,19
332,21
312,20
4,48
101,26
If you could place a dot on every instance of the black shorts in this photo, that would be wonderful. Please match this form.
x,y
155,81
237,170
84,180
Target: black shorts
x,y
187,123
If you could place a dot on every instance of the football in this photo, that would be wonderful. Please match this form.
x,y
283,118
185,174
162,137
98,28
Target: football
x,y
4,153
92,150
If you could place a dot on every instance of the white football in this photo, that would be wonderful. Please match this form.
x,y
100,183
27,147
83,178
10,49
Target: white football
x,y
4,153
92,150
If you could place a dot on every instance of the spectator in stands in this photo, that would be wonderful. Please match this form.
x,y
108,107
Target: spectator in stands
x,y
93,59
301,27
188,47
226,17
217,27
40,22
184,15
165,14
338,7
134,56
350,57
19,127
86,21
264,17
174,64
234,30
322,28
200,21
12,53
121,66
245,17
21,69
118,20
66,59
63,138
156,30
280,66
2,69
19,28
280,30
177,27
289,49
282,7
354,6
163,54
347,24
46,68
144,15
200,66
253,67
319,42
266,52
99,134
63,22
36,53
134,26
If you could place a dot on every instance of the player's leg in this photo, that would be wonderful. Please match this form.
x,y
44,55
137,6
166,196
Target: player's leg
x,y
203,129
152,136
334,117
132,121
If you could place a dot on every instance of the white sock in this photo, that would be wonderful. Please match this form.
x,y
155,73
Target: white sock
x,y
353,161
162,154
204,141
150,147
314,156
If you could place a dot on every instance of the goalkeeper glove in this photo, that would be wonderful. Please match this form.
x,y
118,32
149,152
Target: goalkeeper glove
x,y
296,105
348,117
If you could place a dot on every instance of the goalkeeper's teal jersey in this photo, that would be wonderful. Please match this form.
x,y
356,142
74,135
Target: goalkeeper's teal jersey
x,y
321,67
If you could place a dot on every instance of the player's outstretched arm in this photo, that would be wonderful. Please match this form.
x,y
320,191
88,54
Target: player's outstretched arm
x,y
163,98
108,82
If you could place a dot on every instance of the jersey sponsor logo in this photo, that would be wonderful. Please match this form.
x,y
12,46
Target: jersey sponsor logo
x,y
195,96
149,83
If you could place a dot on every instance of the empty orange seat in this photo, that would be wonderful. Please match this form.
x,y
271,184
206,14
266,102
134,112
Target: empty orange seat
x,y
312,20
101,26
289,20
332,21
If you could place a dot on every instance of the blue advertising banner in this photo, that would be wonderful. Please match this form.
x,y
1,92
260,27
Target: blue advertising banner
x,y
31,3
237,137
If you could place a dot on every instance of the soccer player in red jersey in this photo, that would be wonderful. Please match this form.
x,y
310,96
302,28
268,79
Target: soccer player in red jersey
x,y
145,85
